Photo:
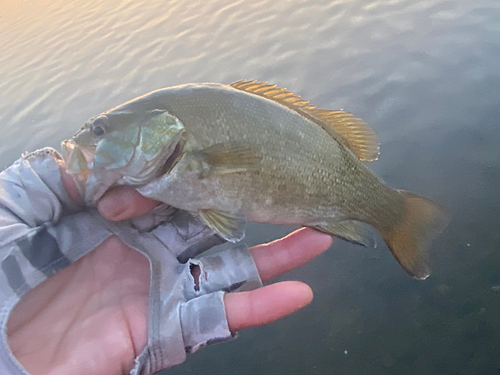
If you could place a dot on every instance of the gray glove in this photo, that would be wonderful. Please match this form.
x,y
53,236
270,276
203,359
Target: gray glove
x,y
42,230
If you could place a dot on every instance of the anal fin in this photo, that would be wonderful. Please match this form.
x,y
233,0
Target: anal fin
x,y
349,230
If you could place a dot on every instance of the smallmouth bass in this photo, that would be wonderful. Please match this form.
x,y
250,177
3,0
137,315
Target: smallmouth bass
x,y
252,151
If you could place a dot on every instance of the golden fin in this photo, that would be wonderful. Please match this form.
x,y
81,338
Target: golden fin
x,y
223,158
357,134
353,132
409,240
228,226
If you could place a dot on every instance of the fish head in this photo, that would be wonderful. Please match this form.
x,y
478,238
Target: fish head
x,y
122,146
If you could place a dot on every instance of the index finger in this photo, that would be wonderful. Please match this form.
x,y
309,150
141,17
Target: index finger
x,y
124,202
290,252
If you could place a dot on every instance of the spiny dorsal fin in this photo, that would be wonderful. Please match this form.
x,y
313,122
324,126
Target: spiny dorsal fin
x,y
354,132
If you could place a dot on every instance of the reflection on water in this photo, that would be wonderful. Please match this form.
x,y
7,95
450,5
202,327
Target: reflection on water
x,y
424,74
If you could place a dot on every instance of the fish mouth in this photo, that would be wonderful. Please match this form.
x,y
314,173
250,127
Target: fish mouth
x,y
77,160
76,157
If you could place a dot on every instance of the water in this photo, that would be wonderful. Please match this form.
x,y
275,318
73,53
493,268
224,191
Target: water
x,y
425,75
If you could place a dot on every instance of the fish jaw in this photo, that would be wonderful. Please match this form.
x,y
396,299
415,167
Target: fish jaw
x,y
76,165
98,182
91,183
75,159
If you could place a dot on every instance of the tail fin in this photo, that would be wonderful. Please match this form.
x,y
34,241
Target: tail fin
x,y
409,240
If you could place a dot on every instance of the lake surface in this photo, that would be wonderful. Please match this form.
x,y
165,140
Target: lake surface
x,y
424,74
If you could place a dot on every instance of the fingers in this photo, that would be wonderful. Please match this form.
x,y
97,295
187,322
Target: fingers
x,y
272,259
124,202
280,256
265,305
272,302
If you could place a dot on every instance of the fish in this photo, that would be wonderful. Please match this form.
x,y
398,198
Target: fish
x,y
251,151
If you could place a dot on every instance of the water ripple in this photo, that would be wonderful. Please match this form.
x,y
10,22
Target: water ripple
x,y
424,74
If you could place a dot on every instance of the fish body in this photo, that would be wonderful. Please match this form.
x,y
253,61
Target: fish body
x,y
251,151
304,176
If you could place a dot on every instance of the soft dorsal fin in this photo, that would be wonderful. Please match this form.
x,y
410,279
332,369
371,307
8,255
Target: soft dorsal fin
x,y
352,131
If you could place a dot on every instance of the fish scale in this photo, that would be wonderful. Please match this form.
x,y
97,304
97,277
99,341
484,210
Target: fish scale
x,y
252,151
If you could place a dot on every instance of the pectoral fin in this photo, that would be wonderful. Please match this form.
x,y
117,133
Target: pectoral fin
x,y
231,227
350,230
225,158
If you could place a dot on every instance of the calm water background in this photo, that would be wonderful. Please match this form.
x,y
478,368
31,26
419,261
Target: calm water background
x,y
424,74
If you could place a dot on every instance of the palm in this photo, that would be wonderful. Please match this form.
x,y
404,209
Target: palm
x,y
91,316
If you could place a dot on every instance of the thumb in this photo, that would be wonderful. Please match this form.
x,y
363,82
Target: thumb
x,y
124,202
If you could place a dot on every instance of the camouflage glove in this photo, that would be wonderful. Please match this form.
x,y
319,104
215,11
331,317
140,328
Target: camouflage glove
x,y
42,230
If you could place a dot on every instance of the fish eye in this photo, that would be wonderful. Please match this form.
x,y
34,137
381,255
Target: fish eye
x,y
98,126
98,130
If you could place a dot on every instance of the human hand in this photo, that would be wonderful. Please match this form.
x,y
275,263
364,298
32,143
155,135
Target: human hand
x,y
91,317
